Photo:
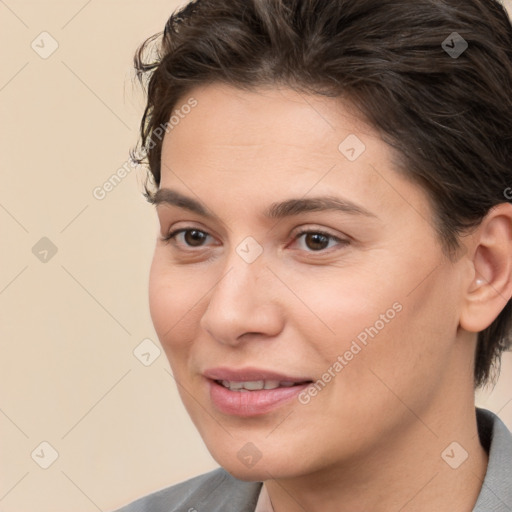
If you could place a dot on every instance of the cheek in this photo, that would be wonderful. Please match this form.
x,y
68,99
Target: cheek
x,y
407,357
340,306
400,328
172,296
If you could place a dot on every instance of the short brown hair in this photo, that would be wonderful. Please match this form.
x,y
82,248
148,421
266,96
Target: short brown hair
x,y
447,115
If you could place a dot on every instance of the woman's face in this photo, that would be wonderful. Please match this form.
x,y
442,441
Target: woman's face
x,y
355,305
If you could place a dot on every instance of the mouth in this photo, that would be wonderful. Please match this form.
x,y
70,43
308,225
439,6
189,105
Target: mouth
x,y
252,392
256,385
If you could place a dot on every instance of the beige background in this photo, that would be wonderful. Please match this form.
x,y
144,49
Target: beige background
x,y
70,324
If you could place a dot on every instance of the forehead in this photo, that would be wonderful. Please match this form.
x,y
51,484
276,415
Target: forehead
x,y
274,141
267,115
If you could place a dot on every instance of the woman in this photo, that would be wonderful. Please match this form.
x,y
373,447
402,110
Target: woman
x,y
333,277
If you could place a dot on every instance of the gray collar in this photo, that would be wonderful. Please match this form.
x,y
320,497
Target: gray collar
x,y
496,493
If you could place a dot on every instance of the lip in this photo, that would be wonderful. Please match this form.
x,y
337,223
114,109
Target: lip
x,y
250,374
251,403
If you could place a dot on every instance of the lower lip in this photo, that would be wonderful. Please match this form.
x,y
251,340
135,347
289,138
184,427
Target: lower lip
x,y
251,403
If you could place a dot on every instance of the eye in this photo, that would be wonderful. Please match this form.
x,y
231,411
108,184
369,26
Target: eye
x,y
193,237
318,241
315,240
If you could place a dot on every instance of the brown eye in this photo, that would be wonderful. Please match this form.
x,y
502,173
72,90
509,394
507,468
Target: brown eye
x,y
316,241
194,237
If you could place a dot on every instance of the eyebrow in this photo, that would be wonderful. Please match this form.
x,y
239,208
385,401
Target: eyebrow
x,y
280,210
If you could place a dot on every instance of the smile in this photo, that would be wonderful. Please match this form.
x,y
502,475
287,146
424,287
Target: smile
x,y
256,385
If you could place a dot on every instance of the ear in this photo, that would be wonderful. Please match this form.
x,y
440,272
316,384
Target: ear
x,y
490,285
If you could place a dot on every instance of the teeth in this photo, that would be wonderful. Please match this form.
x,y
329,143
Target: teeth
x,y
255,385
234,386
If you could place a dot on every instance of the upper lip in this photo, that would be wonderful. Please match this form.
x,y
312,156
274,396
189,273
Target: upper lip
x,y
249,374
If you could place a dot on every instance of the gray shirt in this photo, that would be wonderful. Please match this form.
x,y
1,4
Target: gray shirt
x,y
218,491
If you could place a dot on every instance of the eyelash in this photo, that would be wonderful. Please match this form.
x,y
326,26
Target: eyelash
x,y
167,239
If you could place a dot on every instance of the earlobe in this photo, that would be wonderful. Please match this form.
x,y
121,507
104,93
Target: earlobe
x,y
491,287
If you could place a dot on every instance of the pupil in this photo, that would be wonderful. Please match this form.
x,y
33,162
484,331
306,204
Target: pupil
x,y
315,237
194,236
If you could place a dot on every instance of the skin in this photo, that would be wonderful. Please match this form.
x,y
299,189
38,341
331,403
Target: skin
x,y
372,439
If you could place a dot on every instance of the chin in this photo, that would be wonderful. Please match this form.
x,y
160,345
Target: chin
x,y
262,470
259,473
248,475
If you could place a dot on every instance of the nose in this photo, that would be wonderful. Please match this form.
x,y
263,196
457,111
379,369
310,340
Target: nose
x,y
243,303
